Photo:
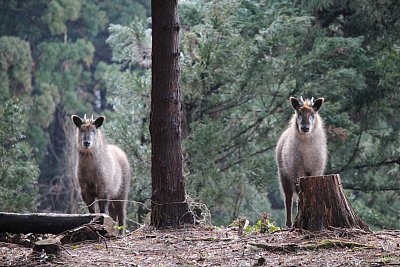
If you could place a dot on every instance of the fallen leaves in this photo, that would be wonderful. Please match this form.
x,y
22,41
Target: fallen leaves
x,y
212,246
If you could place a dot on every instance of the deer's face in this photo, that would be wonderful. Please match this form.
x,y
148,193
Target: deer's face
x,y
306,111
305,120
87,131
87,135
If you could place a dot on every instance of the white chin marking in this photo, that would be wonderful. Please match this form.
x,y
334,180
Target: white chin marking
x,y
305,133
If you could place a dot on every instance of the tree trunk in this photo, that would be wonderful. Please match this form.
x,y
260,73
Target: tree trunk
x,y
322,204
169,207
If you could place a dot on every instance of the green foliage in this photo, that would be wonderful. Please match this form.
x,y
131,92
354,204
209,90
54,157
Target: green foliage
x,y
319,5
122,11
262,227
94,17
18,169
383,215
15,67
131,45
59,12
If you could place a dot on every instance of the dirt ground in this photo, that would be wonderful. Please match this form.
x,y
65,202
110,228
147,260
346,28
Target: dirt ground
x,y
213,246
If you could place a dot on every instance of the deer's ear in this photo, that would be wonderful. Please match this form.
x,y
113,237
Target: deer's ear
x,y
77,121
295,103
318,104
99,121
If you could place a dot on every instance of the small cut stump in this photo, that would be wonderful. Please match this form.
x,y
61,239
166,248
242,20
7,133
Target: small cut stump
x,y
49,246
322,205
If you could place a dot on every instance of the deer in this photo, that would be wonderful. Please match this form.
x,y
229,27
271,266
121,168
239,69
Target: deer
x,y
301,149
102,169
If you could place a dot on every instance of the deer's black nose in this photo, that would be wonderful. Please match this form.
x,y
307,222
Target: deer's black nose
x,y
305,128
86,143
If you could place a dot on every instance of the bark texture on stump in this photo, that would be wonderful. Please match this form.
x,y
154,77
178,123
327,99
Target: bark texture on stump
x,y
322,204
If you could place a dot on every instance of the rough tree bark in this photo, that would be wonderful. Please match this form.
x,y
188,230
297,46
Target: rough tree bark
x,y
169,207
322,205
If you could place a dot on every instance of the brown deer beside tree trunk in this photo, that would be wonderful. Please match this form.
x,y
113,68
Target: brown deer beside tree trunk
x,y
102,169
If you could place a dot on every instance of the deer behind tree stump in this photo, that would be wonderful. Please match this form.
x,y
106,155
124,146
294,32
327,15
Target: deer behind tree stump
x,y
301,149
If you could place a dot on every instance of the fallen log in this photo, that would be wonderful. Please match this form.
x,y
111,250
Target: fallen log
x,y
50,223
322,205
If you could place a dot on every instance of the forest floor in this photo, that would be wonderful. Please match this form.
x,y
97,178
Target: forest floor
x,y
213,246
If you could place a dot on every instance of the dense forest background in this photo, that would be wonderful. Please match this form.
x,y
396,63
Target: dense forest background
x,y
240,62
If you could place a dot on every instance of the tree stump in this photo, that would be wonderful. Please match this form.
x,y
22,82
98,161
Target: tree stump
x,y
322,205
49,246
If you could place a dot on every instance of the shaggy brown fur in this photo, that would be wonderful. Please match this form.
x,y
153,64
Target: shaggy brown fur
x,y
103,170
301,149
